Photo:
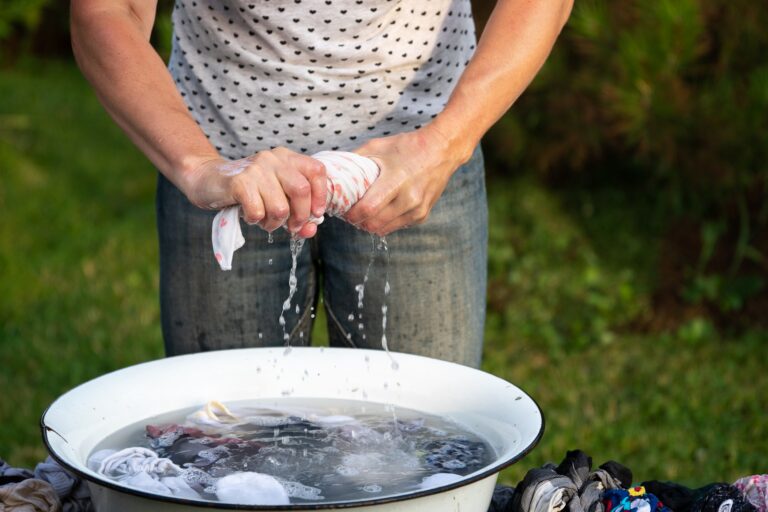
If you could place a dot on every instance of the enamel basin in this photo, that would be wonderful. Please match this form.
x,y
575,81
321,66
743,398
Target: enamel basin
x,y
500,412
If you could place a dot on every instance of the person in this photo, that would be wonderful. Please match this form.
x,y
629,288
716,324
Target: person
x,y
261,85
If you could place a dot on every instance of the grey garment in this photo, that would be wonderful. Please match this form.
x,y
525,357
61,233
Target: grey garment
x,y
312,75
571,484
72,491
543,490
502,499
576,466
436,274
11,474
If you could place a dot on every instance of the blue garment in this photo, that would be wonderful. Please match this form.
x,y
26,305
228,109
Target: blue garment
x,y
436,272
634,499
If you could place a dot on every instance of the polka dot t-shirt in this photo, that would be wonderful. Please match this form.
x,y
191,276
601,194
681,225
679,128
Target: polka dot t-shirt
x,y
316,75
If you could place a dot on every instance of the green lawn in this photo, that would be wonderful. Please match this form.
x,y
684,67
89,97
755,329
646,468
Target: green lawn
x,y
568,268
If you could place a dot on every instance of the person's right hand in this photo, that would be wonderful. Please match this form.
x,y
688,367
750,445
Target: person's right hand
x,y
272,187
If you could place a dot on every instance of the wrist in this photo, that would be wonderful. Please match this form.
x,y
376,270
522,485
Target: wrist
x,y
456,140
188,172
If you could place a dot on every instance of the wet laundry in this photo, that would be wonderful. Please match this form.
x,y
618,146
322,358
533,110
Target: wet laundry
x,y
143,469
250,488
455,454
348,177
755,490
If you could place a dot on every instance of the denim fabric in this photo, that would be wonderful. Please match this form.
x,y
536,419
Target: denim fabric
x,y
437,272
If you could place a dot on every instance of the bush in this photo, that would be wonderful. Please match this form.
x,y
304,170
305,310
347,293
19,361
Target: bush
x,y
676,90
21,15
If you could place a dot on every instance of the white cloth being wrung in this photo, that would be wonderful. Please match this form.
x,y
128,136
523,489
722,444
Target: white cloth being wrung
x,y
349,176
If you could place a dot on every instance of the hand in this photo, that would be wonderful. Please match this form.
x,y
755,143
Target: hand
x,y
272,187
414,170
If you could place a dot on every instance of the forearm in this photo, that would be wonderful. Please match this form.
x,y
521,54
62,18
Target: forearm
x,y
517,40
111,45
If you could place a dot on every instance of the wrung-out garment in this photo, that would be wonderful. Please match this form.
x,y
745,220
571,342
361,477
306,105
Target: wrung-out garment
x,y
349,176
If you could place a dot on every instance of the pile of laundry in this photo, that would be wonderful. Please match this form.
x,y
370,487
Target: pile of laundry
x,y
49,488
571,485
575,486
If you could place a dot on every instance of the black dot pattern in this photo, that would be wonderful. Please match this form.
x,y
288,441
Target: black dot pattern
x,y
316,75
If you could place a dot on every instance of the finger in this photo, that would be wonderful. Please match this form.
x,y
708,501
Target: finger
x,y
276,205
246,193
411,206
381,193
299,191
413,217
317,175
401,222
308,230
389,213
314,172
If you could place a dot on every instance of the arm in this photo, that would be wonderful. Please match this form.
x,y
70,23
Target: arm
x,y
416,166
110,40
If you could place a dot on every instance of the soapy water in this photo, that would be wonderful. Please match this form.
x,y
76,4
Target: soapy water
x,y
319,450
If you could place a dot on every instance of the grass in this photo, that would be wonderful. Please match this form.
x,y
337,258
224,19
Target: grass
x,y
568,268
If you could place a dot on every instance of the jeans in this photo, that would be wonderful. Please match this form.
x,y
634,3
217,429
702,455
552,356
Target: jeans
x,y
437,274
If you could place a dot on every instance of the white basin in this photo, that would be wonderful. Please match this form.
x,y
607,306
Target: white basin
x,y
506,417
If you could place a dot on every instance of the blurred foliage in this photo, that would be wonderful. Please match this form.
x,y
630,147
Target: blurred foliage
x,y
79,275
41,27
20,15
655,104
677,91
551,283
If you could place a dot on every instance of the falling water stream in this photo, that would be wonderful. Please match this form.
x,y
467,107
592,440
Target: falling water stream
x,y
296,245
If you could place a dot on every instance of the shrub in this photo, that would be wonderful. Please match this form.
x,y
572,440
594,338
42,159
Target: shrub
x,y
676,90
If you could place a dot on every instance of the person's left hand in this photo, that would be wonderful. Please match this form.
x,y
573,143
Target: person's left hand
x,y
414,170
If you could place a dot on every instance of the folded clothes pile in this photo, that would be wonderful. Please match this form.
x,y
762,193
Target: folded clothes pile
x,y
571,485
